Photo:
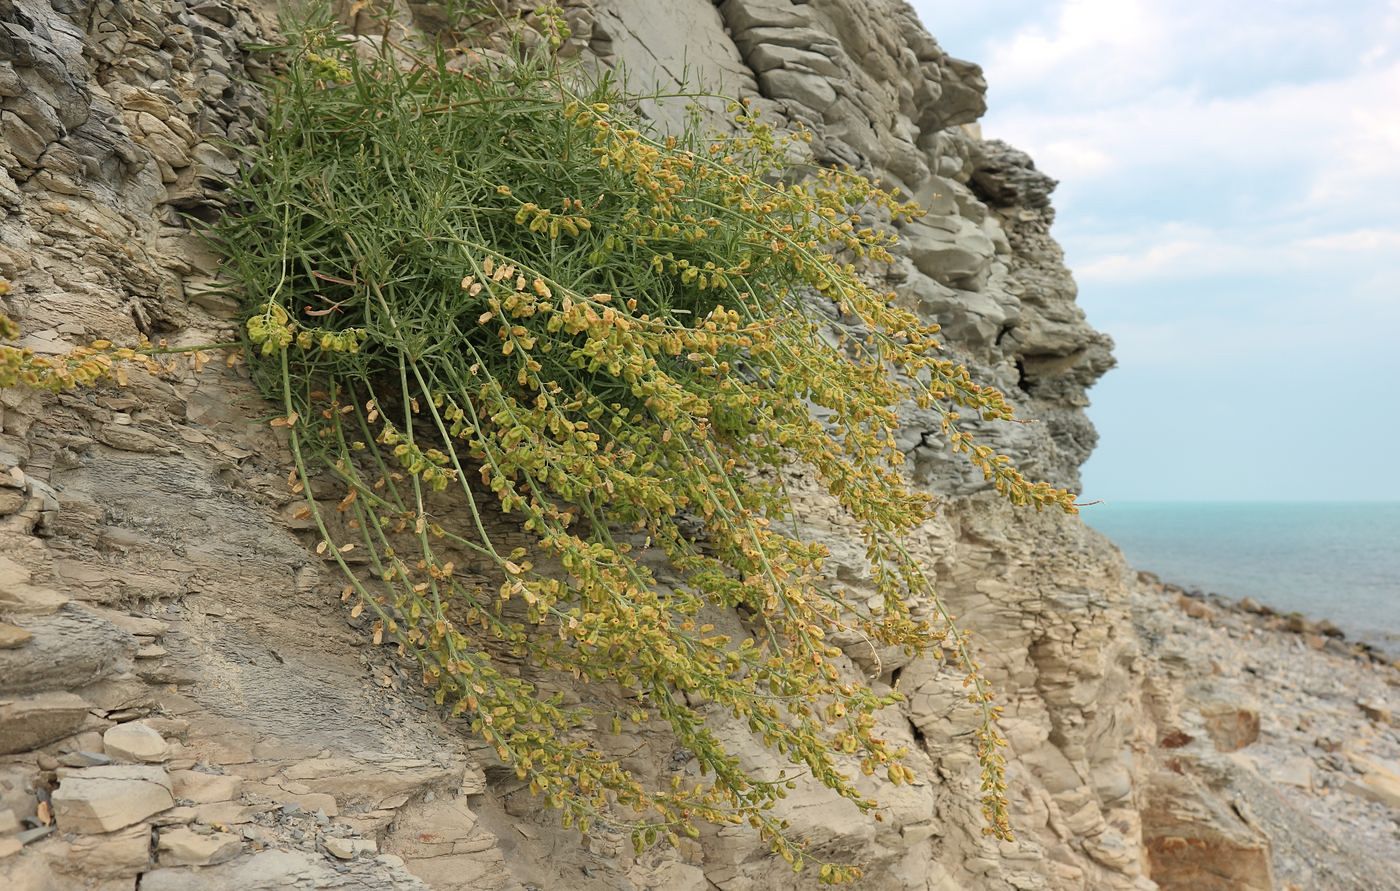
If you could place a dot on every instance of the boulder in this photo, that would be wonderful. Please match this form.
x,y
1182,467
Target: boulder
x,y
973,318
811,90
135,742
957,253
443,843
1195,841
1376,711
1007,177
1195,608
19,595
378,783
1230,725
963,98
741,15
770,56
11,500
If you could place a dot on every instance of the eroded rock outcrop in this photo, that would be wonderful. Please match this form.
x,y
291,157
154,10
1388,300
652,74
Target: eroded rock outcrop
x,y
169,663
182,703
1045,594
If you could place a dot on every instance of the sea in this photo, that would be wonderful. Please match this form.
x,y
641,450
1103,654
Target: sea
x,y
1332,560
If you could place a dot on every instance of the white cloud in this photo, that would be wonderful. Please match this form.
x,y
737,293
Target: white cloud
x,y
1153,261
1356,240
1101,45
1073,158
1334,141
1176,252
1367,152
1386,37
1107,88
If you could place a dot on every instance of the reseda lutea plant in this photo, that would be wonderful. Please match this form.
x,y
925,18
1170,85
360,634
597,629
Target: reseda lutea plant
x,y
488,285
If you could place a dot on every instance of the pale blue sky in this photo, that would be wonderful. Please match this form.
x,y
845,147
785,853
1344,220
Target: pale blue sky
x,y
1229,201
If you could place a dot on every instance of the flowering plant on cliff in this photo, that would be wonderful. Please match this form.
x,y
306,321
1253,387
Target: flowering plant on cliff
x,y
552,365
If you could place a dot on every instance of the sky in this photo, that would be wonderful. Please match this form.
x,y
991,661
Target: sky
x,y
1229,202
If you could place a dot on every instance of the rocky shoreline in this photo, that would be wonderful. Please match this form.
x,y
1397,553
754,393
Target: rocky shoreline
x,y
1318,634
1290,722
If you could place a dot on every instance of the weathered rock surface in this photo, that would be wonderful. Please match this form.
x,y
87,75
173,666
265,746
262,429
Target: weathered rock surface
x,y
205,788
12,637
114,856
182,846
277,870
72,647
157,605
135,742
1292,802
104,799
33,721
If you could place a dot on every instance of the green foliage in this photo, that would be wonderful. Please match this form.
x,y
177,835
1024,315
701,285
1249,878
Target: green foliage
x,y
490,285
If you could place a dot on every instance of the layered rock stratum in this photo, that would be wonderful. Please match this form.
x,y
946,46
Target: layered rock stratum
x,y
184,704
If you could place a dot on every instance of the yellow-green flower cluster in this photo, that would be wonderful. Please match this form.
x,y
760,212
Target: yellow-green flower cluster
x,y
272,329
82,366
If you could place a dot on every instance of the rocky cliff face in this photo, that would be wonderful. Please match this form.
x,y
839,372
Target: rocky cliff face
x,y
183,704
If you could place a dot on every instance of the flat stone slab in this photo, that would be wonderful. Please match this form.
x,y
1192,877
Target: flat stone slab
x,y
32,721
280,870
182,846
111,797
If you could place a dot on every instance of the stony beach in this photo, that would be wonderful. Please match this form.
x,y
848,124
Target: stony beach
x,y
1295,720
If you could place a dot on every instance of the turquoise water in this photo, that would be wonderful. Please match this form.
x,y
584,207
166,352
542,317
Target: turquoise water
x,y
1339,561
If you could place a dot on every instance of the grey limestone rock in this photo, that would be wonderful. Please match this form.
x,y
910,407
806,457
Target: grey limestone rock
x,y
1008,177
32,721
277,870
107,798
67,649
